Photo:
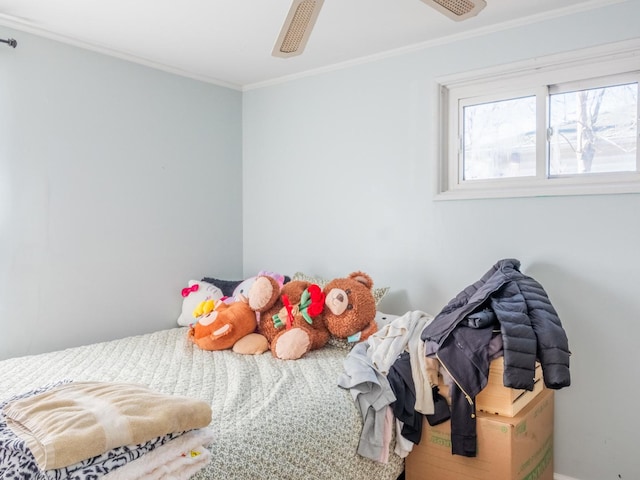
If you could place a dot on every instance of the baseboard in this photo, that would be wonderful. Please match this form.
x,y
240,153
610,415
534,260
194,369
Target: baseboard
x,y
557,476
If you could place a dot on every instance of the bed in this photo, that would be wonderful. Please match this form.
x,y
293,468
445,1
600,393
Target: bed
x,y
272,419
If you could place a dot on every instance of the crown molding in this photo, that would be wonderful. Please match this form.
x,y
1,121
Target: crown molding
x,y
477,32
27,27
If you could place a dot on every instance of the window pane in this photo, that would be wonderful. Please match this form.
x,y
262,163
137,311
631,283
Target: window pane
x,y
500,139
594,130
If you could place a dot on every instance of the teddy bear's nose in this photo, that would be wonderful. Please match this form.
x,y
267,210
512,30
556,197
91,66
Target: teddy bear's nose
x,y
340,297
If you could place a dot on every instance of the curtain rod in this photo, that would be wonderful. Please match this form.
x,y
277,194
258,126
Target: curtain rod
x,y
10,41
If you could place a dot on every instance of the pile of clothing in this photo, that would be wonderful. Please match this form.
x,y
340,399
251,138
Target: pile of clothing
x,y
394,373
388,378
117,431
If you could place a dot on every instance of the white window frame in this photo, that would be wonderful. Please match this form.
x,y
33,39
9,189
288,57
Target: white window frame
x,y
538,76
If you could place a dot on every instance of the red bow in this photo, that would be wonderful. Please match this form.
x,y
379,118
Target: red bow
x,y
186,291
289,308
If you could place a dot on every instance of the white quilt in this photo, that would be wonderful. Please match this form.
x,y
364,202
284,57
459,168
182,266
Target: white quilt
x,y
272,419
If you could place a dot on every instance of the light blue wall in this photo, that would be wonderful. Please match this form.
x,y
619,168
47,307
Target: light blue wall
x,y
340,174
118,183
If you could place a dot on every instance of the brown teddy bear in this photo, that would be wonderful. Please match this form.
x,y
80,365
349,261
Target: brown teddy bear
x,y
303,317
350,308
292,324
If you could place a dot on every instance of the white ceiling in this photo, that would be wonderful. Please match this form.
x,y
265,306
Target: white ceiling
x,y
229,42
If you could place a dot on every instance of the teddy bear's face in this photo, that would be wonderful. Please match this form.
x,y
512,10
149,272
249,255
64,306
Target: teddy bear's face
x,y
349,305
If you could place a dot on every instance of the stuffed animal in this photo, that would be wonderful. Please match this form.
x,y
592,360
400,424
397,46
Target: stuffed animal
x,y
350,307
232,289
252,344
227,326
233,321
205,307
198,298
304,317
293,323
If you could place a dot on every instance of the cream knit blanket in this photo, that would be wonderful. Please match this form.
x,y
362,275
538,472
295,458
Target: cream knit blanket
x,y
178,459
83,419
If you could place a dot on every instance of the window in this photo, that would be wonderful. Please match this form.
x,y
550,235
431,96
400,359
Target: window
x,y
561,125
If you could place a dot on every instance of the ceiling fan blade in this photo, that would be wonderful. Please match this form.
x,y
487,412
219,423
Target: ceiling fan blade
x,y
457,9
297,28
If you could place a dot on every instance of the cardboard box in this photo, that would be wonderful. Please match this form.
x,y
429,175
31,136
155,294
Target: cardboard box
x,y
508,448
498,399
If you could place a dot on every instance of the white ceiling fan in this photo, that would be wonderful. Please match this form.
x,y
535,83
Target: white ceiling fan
x,y
303,14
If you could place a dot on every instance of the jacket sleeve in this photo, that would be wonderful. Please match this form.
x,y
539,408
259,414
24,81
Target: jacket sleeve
x,y
518,337
552,342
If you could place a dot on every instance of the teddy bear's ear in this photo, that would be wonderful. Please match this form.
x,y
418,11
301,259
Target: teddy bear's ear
x,y
263,293
363,278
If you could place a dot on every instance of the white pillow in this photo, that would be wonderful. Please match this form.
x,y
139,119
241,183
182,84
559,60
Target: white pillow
x,y
194,294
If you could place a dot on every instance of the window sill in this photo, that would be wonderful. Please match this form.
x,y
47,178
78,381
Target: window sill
x,y
551,188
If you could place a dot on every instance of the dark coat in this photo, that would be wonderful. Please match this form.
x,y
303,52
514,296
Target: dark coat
x,y
530,330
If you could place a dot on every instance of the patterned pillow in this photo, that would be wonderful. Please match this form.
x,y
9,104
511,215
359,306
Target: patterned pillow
x,y
340,343
382,319
378,293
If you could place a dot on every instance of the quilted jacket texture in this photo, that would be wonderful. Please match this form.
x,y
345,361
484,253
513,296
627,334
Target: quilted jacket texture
x,y
530,329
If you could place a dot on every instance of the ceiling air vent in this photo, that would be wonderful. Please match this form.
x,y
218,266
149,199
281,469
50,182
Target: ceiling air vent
x,y
297,28
457,9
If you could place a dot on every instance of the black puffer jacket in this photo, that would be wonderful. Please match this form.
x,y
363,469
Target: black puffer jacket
x,y
530,330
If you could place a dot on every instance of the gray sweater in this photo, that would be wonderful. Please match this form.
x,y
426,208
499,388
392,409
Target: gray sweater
x,y
372,395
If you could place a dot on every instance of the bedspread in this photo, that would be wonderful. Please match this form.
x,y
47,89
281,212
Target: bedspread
x,y
272,419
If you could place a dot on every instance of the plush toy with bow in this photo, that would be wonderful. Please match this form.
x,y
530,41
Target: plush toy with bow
x,y
303,317
199,298
293,323
231,325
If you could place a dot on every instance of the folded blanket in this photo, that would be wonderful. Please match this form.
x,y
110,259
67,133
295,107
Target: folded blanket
x,y
84,419
95,467
16,460
177,459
